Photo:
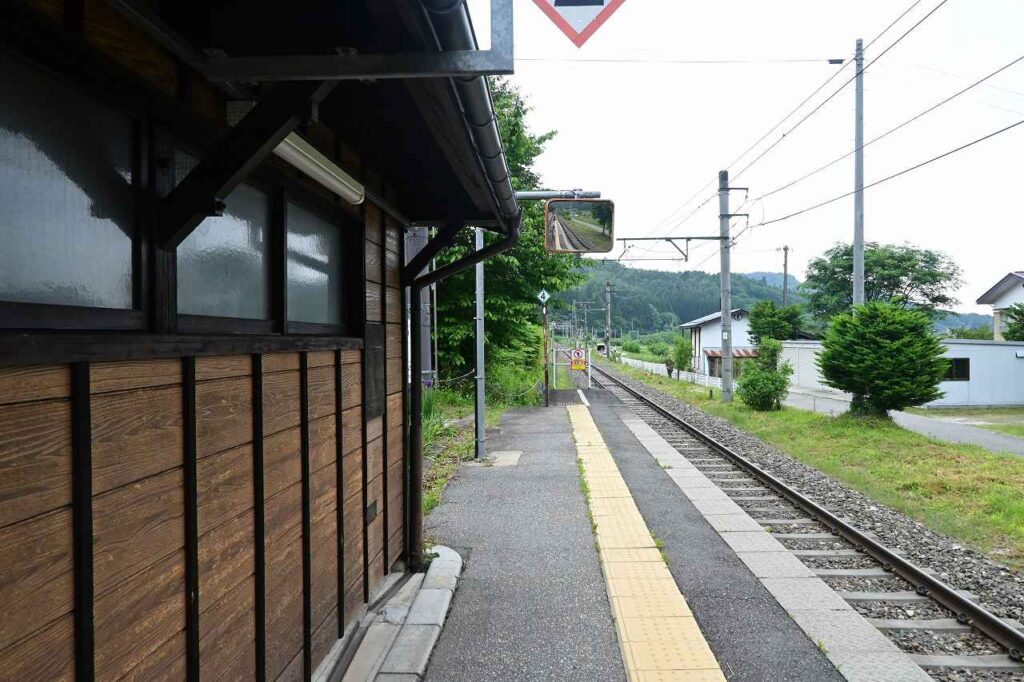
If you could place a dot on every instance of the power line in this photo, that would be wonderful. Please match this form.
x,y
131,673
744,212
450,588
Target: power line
x,y
660,60
883,180
840,89
774,128
893,130
828,80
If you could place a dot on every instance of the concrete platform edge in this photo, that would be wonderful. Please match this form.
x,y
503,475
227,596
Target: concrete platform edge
x,y
853,645
401,634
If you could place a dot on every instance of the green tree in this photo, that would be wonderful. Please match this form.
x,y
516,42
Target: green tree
x,y
980,332
682,350
768,321
602,212
885,355
511,311
765,382
902,274
1014,330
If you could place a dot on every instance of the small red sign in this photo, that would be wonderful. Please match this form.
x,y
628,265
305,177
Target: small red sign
x,y
579,19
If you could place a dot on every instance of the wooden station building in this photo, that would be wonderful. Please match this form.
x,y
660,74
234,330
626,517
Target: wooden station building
x,y
205,466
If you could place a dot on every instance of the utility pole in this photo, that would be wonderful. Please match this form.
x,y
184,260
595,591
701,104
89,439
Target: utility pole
x,y
608,319
586,329
481,427
858,181
723,228
785,276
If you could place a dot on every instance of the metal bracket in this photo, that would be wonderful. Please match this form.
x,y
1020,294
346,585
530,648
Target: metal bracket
x,y
499,60
685,251
244,147
542,194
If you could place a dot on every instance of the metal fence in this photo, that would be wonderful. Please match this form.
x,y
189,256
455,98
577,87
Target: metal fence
x,y
659,369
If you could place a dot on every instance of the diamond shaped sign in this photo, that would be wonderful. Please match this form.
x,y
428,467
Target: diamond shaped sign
x,y
579,19
543,295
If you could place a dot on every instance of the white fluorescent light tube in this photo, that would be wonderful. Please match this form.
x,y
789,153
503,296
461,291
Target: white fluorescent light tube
x,y
304,157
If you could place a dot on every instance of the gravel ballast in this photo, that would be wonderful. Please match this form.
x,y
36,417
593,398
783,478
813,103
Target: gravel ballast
x,y
998,588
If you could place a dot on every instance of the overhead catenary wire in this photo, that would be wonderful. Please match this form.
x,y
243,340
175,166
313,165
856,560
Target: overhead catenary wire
x,y
836,92
882,180
910,120
775,127
821,87
671,60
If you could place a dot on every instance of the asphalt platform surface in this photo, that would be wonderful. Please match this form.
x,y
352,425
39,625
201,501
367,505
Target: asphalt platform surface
x,y
752,636
531,604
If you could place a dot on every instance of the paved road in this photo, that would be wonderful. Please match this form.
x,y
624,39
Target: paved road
x,y
960,433
829,402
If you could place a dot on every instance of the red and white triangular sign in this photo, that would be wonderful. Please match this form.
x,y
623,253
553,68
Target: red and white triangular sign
x,y
579,19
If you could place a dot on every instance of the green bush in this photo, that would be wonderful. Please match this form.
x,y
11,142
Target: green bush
x,y
658,348
764,389
631,346
682,352
765,382
885,355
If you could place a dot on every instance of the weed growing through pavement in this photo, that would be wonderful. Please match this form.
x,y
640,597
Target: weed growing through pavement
x,y
666,466
660,545
585,489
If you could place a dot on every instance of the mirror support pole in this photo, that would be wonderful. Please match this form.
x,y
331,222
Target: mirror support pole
x,y
481,428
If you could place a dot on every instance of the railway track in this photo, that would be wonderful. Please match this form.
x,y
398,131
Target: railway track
x,y
906,602
566,238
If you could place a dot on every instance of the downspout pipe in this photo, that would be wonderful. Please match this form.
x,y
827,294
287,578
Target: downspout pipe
x,y
454,30
414,481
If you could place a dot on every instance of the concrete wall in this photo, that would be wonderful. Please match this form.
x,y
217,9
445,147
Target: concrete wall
x,y
996,372
1008,298
658,368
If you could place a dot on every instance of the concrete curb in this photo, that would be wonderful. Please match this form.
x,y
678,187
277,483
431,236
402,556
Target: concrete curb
x,y
401,634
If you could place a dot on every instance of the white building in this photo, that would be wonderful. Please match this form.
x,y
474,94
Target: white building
x,y
1008,291
706,336
981,374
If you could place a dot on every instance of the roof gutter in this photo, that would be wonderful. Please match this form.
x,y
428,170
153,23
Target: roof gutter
x,y
454,29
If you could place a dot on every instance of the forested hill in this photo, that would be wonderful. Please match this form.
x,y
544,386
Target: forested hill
x,y
651,300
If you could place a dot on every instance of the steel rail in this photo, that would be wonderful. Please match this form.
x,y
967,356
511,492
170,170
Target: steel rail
x,y
967,612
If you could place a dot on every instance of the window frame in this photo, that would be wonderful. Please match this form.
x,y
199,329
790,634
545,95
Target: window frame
x,y
152,115
951,375
351,243
25,315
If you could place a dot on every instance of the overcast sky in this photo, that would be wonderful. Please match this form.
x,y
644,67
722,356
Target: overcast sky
x,y
650,134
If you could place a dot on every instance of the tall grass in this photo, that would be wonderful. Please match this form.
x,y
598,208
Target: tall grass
x,y
433,416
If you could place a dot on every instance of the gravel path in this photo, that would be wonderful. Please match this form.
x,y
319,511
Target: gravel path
x,y
998,588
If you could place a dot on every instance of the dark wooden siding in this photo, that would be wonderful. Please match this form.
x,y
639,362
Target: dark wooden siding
x,y
36,561
394,436
141,437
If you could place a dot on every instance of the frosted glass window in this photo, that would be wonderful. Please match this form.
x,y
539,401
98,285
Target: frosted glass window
x,y
66,199
223,269
314,268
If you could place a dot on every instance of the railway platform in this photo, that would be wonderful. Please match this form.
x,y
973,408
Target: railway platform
x,y
642,585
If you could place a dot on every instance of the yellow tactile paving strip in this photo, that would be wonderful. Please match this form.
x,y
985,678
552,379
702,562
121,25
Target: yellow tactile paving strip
x,y
659,636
